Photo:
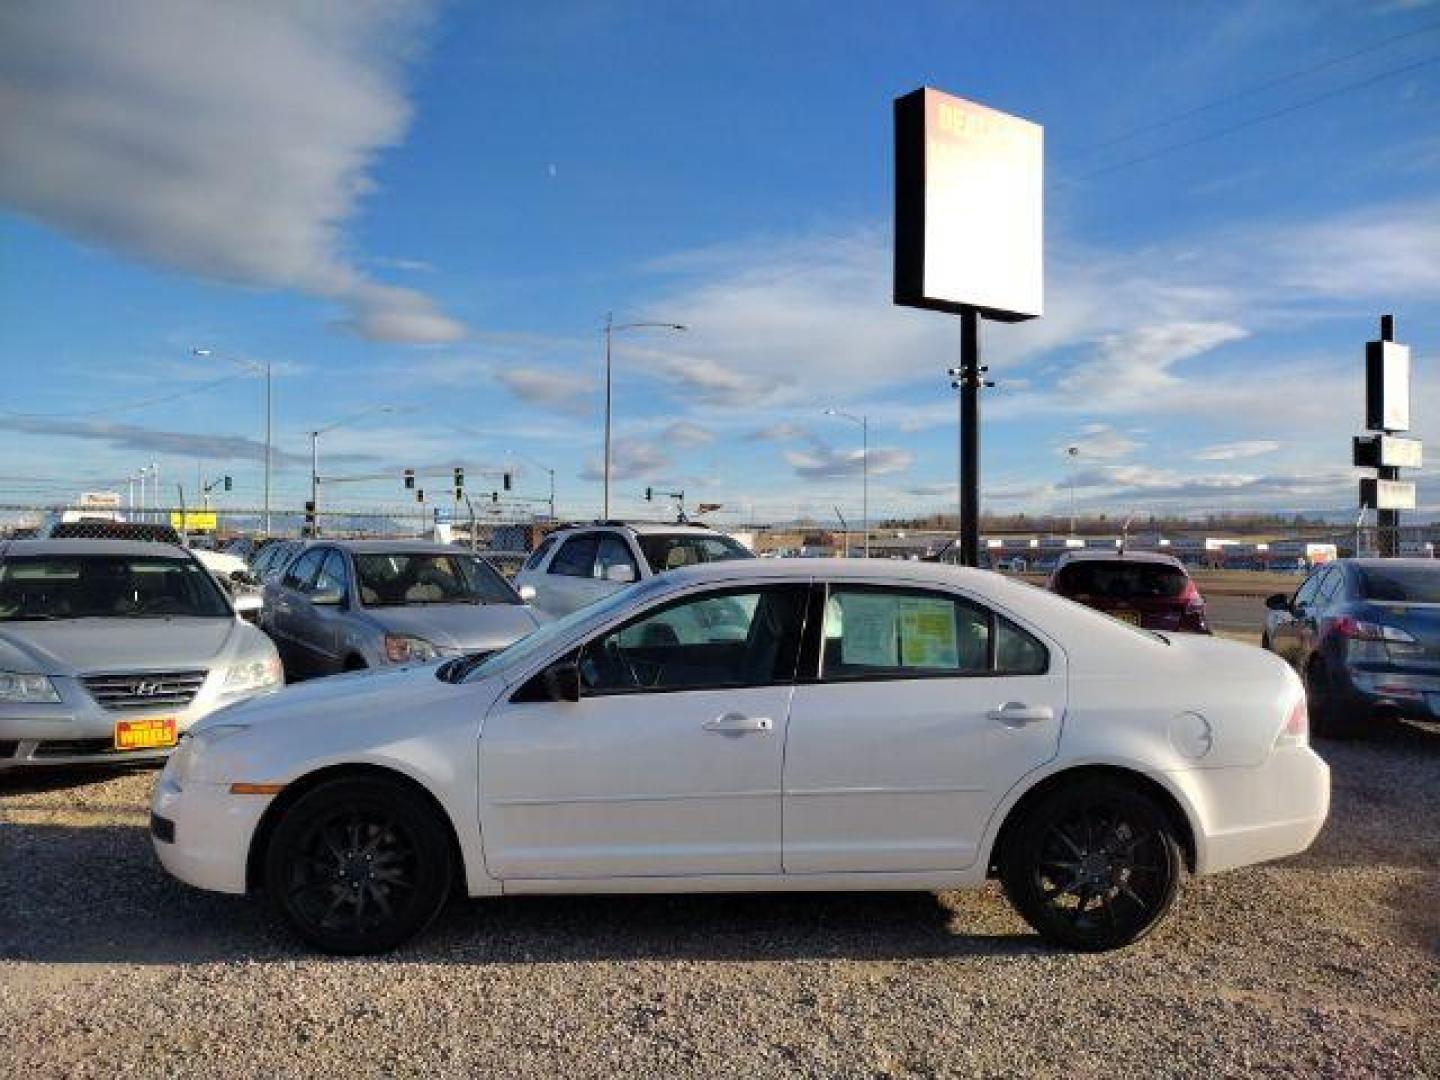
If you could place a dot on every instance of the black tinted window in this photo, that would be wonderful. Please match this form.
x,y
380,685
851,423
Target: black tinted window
x,y
303,570
719,639
1017,651
1121,580
576,558
1401,584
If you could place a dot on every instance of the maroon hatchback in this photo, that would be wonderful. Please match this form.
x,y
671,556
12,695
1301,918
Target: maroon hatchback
x,y
1143,588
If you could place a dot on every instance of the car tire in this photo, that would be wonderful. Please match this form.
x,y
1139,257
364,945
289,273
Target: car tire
x,y
355,663
1094,865
1327,718
358,865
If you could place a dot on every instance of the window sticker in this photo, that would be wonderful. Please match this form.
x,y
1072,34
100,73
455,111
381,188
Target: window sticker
x,y
868,630
927,633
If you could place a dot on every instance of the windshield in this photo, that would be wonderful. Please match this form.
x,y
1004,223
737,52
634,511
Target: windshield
x,y
1122,580
671,552
537,642
106,586
1401,584
398,578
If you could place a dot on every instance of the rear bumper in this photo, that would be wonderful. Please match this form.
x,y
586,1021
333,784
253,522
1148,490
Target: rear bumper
x,y
1370,692
1253,815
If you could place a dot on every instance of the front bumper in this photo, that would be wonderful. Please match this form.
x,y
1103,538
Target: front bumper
x,y
77,731
201,833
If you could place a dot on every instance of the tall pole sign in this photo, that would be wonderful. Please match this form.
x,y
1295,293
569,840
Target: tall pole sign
x,y
1387,411
969,241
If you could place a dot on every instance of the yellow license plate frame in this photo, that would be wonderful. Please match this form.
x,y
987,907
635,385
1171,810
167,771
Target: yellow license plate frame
x,y
146,733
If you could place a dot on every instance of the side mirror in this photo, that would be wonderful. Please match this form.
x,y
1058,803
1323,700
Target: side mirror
x,y
621,573
562,681
527,593
1278,602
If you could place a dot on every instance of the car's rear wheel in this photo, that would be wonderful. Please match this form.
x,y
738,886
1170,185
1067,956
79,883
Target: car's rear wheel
x,y
1093,866
358,865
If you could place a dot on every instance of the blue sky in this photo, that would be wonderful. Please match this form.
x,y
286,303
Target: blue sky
x,y
432,207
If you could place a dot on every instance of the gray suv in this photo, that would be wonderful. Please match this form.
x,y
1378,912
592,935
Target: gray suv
x,y
110,649
346,605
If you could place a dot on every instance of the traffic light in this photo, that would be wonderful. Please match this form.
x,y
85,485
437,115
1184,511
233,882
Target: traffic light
x,y
494,496
649,495
227,483
459,479
506,479
409,479
420,495
309,517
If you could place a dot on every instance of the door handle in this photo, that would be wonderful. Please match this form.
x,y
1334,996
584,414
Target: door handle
x,y
1018,714
739,724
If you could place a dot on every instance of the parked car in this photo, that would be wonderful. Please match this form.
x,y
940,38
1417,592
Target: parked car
x,y
509,563
1143,588
1012,564
347,605
110,649
236,578
580,564
914,726
1365,636
270,560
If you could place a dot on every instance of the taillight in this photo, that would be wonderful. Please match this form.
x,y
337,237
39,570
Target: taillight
x,y
1191,598
1347,626
1296,731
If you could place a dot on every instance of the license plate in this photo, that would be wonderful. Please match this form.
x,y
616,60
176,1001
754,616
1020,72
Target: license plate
x,y
148,734
1128,617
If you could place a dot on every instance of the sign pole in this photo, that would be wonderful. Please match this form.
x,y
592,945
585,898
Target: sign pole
x,y
970,437
1387,522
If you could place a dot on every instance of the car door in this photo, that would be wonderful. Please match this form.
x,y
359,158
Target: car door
x,y
570,581
670,762
1302,615
927,707
1308,625
1284,633
286,615
320,619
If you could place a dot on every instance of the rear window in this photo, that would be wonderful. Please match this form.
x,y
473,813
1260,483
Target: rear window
x,y
1401,584
671,552
1121,580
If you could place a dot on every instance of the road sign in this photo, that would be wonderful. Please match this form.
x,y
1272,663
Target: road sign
x,y
969,196
1387,386
1387,494
193,520
1388,451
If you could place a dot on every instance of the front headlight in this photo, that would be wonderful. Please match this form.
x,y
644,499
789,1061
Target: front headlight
x,y
27,689
253,675
404,649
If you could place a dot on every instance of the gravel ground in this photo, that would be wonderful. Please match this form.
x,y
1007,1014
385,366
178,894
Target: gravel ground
x,y
1326,964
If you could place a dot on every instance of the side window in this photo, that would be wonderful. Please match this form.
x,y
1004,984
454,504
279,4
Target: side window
x,y
576,558
878,632
1334,579
303,569
722,639
538,555
333,576
614,552
1306,593
1017,651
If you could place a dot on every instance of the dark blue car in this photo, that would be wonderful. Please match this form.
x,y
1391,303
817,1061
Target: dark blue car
x,y
1365,636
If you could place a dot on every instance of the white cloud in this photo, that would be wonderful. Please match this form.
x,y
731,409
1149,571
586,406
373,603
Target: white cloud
x,y
1134,365
549,389
1231,451
823,462
686,433
1101,442
231,141
631,459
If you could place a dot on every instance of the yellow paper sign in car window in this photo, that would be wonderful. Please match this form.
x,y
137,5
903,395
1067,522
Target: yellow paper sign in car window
x,y
927,633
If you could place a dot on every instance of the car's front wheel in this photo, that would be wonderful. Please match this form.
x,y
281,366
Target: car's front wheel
x,y
358,865
1094,865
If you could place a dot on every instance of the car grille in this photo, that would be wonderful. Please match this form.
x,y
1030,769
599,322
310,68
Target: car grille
x,y
144,689
73,748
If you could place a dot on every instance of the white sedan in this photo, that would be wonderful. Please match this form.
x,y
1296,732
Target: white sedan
x,y
761,725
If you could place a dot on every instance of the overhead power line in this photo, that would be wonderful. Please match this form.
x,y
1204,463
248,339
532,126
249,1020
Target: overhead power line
x,y
126,407
1305,103
1253,88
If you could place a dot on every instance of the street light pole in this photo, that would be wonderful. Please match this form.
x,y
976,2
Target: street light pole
x,y
315,455
610,328
266,370
1071,453
864,422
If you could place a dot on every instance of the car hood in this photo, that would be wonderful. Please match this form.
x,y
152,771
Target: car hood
x,y
72,646
458,627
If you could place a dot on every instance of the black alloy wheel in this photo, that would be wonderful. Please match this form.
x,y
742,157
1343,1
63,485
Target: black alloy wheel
x,y
358,865
1093,866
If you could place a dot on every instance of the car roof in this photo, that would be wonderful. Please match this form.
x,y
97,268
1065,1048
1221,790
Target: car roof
x,y
1096,555
641,528
1383,564
395,547
900,570
16,548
